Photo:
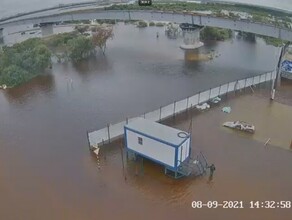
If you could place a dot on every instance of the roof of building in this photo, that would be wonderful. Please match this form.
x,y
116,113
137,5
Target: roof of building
x,y
158,131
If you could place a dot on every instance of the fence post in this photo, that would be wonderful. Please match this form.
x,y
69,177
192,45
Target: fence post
x,y
88,140
236,86
108,133
245,84
219,90
266,80
187,103
209,94
174,104
252,81
199,97
227,90
160,113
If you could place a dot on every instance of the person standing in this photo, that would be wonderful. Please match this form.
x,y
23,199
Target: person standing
x,y
212,169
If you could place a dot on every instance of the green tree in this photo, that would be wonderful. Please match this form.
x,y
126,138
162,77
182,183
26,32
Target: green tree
x,y
80,48
211,33
42,57
14,75
23,61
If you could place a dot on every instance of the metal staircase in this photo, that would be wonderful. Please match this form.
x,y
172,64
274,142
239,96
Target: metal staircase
x,y
196,166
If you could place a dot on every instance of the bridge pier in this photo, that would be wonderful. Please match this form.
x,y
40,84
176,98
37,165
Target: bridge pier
x,y
47,29
191,34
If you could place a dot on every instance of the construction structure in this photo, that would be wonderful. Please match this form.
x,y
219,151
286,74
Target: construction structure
x,y
191,35
161,144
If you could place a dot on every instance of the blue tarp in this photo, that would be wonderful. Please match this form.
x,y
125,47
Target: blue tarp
x,y
287,66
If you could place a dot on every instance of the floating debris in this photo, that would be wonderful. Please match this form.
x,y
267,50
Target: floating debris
x,y
267,141
240,125
96,152
226,109
203,106
216,100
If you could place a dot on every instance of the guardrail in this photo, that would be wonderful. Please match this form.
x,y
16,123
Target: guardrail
x,y
115,131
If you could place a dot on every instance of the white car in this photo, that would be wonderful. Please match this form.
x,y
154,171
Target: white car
x,y
240,125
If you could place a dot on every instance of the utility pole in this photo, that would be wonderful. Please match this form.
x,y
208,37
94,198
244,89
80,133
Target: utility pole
x,y
278,71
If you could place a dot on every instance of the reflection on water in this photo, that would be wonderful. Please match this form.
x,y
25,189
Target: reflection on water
x,y
40,85
97,62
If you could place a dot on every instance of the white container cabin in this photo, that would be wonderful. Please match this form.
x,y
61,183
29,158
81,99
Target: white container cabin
x,y
162,144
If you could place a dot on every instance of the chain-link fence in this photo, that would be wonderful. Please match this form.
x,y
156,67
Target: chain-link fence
x,y
112,132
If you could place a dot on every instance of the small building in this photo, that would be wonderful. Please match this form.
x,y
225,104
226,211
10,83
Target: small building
x,y
162,144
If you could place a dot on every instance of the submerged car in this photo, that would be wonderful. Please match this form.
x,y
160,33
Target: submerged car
x,y
240,125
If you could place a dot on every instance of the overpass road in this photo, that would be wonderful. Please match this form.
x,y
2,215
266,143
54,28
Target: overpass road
x,y
202,20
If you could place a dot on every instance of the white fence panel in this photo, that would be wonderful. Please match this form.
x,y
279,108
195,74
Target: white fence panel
x,y
274,74
269,76
204,96
153,116
249,82
223,89
167,111
231,86
214,92
117,129
241,84
96,137
132,119
263,78
256,80
181,106
194,100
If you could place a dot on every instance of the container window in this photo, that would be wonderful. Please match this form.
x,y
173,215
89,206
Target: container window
x,y
140,140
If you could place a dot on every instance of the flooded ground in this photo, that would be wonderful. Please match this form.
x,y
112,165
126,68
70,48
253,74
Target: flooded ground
x,y
272,120
47,172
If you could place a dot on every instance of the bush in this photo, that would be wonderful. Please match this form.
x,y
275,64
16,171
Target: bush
x,y
273,41
159,24
211,33
142,24
14,75
151,24
23,61
80,48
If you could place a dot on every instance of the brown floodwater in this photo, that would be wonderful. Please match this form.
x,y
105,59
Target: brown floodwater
x,y
47,171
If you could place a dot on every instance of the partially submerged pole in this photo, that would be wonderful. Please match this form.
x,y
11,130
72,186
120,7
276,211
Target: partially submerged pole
x,y
278,70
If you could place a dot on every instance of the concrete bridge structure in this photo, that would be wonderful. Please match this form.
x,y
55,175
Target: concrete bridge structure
x,y
191,18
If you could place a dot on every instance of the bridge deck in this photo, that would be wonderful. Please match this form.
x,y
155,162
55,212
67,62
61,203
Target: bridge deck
x,y
202,20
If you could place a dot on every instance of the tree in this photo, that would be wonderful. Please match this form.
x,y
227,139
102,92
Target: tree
x,y
14,75
211,33
42,57
22,61
80,48
100,36
82,28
